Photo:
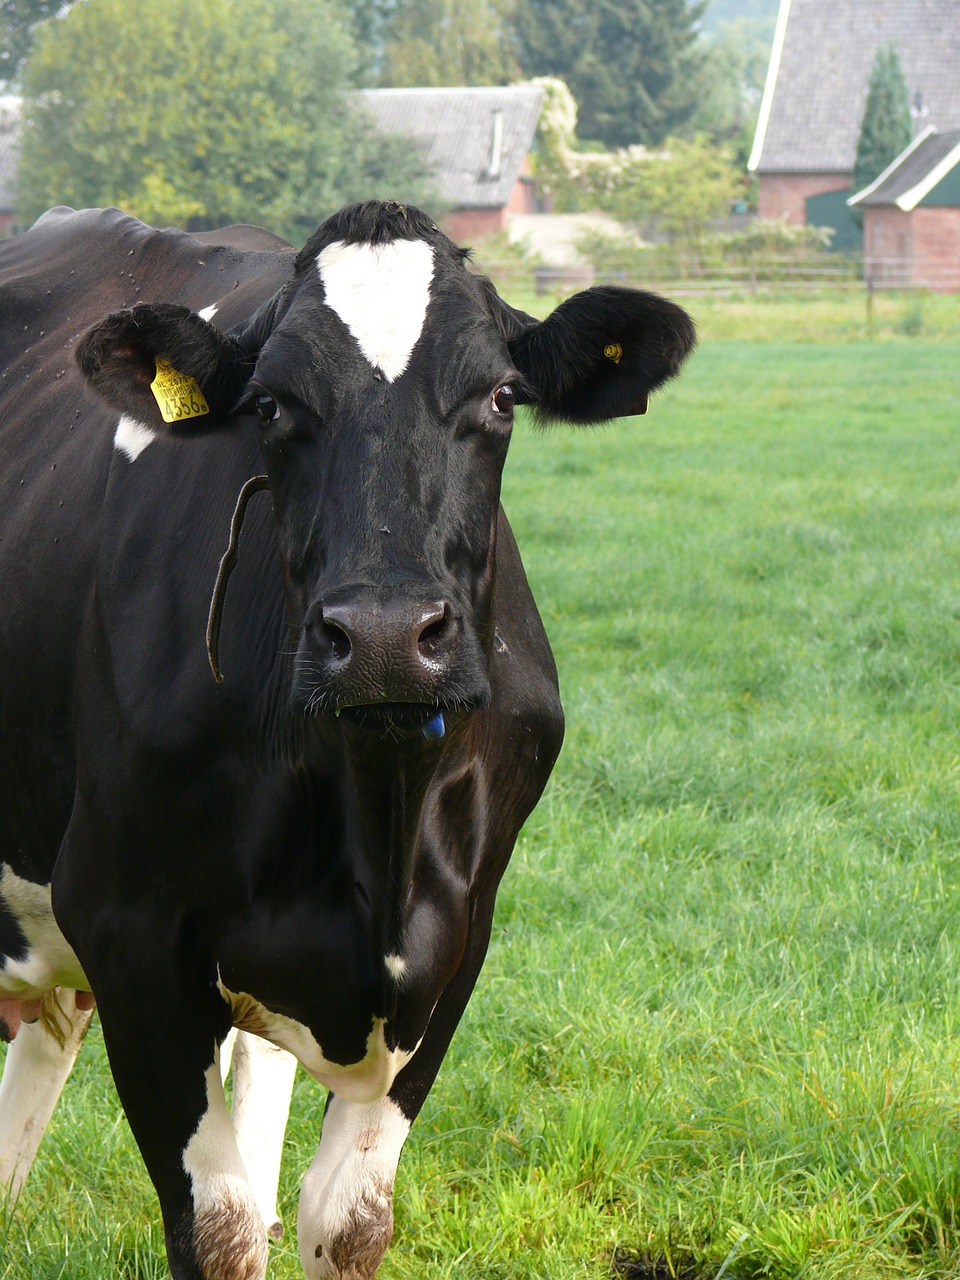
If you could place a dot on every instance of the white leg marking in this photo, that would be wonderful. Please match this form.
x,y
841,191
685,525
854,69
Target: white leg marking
x,y
381,293
34,1074
228,1232
132,437
262,1081
346,1201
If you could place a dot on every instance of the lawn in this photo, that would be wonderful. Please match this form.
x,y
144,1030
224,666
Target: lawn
x,y
718,1032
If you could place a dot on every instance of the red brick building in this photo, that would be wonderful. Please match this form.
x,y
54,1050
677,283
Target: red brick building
x,y
816,90
476,144
911,217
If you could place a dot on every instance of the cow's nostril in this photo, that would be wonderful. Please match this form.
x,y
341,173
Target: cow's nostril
x,y
336,638
434,630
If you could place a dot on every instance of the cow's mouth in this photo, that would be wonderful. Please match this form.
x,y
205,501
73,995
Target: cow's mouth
x,y
395,718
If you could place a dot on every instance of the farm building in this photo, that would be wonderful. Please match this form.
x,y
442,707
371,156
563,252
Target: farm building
x,y
816,90
476,142
911,216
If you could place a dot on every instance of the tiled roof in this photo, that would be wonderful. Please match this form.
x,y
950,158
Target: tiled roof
x,y
915,172
820,67
472,140
9,144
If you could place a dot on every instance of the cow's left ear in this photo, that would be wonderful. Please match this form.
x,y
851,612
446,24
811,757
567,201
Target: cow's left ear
x,y
600,353
151,360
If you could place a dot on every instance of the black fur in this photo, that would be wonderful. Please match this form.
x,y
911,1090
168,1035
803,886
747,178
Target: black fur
x,y
119,359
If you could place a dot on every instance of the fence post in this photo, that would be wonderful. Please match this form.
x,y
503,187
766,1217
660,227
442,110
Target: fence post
x,y
870,329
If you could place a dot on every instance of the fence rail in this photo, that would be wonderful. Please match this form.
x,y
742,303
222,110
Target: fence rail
x,y
679,278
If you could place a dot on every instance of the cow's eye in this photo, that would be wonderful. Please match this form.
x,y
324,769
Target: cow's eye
x,y
267,408
504,398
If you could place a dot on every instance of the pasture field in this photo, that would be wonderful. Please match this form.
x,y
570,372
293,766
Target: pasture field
x,y
717,1036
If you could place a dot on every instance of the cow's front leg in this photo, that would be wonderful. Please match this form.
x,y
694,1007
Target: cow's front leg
x,y
262,1081
37,1065
165,1060
345,1220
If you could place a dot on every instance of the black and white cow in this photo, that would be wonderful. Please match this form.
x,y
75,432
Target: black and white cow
x,y
308,848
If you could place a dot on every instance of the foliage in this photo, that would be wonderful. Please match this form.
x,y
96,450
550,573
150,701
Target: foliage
x,y
447,42
886,129
730,83
761,252
241,120
18,19
775,238
630,64
680,191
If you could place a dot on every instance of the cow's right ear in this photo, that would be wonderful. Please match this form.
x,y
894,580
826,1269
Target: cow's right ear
x,y
123,355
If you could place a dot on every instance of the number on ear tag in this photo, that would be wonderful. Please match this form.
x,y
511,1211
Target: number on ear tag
x,y
177,394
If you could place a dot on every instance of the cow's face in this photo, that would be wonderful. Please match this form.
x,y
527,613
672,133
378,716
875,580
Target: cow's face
x,y
385,393
382,380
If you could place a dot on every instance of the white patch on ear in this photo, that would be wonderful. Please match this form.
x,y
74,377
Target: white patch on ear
x,y
208,312
381,293
132,437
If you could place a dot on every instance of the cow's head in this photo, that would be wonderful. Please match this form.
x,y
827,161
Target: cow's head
x,y
383,380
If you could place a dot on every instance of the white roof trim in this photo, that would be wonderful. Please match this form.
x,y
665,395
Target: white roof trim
x,y
910,199
921,137
766,102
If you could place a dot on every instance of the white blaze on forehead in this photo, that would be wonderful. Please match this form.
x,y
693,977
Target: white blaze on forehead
x,y
132,437
208,312
381,293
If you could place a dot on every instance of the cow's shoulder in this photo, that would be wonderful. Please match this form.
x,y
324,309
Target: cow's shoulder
x,y
74,266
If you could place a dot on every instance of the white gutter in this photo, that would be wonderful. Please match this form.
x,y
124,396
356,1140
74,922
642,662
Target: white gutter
x,y
910,199
766,102
921,137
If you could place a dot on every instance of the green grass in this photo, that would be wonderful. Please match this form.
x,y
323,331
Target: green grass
x,y
718,1032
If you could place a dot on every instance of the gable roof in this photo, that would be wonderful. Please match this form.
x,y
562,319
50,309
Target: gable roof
x,y
915,172
820,66
472,140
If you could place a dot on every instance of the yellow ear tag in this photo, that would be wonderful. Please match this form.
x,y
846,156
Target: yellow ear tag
x,y
614,352
177,394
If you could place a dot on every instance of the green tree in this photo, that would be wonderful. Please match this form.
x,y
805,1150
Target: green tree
x,y
682,191
200,113
730,82
431,43
632,65
18,19
886,129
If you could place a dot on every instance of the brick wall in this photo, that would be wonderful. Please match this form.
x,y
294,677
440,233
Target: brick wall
x,y
887,246
920,248
468,226
784,195
936,248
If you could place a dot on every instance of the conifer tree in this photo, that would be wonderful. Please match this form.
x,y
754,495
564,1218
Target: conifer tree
x,y
886,129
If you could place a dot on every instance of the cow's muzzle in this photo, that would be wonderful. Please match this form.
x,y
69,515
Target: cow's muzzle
x,y
396,662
